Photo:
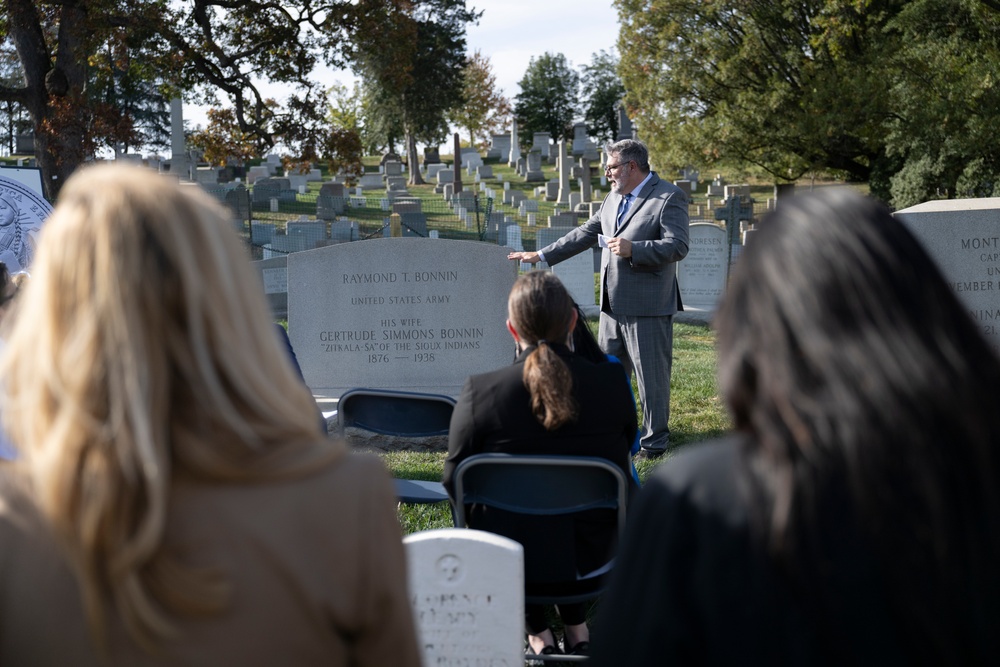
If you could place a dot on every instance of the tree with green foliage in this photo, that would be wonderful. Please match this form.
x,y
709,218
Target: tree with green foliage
x,y
13,116
222,140
413,65
888,92
211,50
759,83
486,110
946,98
602,92
548,98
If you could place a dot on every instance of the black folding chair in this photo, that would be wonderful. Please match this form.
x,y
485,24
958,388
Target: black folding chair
x,y
544,486
403,414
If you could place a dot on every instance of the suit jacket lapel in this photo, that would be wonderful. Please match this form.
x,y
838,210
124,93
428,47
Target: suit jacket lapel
x,y
639,200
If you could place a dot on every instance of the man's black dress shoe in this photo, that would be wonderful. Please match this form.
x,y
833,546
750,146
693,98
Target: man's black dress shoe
x,y
649,454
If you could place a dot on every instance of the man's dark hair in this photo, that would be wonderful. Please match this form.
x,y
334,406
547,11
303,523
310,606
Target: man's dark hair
x,y
630,150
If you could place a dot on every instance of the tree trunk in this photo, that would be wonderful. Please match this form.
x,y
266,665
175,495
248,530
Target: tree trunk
x,y
54,92
411,155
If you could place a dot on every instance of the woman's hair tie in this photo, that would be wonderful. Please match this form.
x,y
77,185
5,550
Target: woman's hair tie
x,y
542,341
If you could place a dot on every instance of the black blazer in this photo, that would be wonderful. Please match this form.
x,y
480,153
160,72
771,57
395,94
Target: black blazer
x,y
493,414
694,585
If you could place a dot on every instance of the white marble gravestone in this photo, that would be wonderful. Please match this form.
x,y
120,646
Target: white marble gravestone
x,y
467,592
417,314
576,273
274,275
702,274
514,238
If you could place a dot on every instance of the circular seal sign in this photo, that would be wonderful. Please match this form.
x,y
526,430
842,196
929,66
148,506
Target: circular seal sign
x,y
22,212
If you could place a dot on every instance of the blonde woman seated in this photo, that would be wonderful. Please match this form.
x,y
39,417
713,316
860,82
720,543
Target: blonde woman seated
x,y
172,503
550,401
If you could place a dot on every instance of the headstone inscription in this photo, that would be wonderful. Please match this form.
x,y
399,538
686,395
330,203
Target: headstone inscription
x,y
410,313
702,274
962,236
467,592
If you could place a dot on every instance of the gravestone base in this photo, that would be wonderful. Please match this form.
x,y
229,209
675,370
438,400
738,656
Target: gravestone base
x,y
360,440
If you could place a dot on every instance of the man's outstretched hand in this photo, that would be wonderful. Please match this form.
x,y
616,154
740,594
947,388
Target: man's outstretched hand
x,y
529,257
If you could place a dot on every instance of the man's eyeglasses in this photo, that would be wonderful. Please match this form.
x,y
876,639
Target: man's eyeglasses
x,y
611,167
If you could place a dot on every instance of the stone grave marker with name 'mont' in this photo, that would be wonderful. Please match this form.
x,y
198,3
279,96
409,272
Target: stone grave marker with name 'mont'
x,y
702,274
467,592
963,238
411,313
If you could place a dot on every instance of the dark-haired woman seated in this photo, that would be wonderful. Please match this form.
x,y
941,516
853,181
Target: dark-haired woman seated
x,y
550,401
854,517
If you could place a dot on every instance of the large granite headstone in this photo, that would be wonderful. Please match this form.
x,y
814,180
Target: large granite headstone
x,y
467,592
702,274
410,313
963,238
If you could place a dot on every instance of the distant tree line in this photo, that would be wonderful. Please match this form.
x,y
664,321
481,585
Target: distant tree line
x,y
554,96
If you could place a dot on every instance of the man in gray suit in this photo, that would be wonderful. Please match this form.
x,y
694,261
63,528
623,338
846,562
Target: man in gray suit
x,y
643,229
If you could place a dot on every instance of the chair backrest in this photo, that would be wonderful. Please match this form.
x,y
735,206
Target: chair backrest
x,y
398,413
539,485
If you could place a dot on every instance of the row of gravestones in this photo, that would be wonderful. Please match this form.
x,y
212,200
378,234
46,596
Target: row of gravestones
x,y
582,145
432,315
434,312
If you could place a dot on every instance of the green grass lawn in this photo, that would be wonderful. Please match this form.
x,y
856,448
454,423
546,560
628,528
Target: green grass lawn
x,y
696,415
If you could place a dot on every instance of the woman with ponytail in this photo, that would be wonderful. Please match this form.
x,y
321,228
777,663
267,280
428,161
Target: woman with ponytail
x,y
550,401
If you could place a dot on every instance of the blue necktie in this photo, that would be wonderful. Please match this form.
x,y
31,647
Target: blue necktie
x,y
623,209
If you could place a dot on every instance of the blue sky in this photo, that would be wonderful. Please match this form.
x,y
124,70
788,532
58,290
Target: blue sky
x,y
511,32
